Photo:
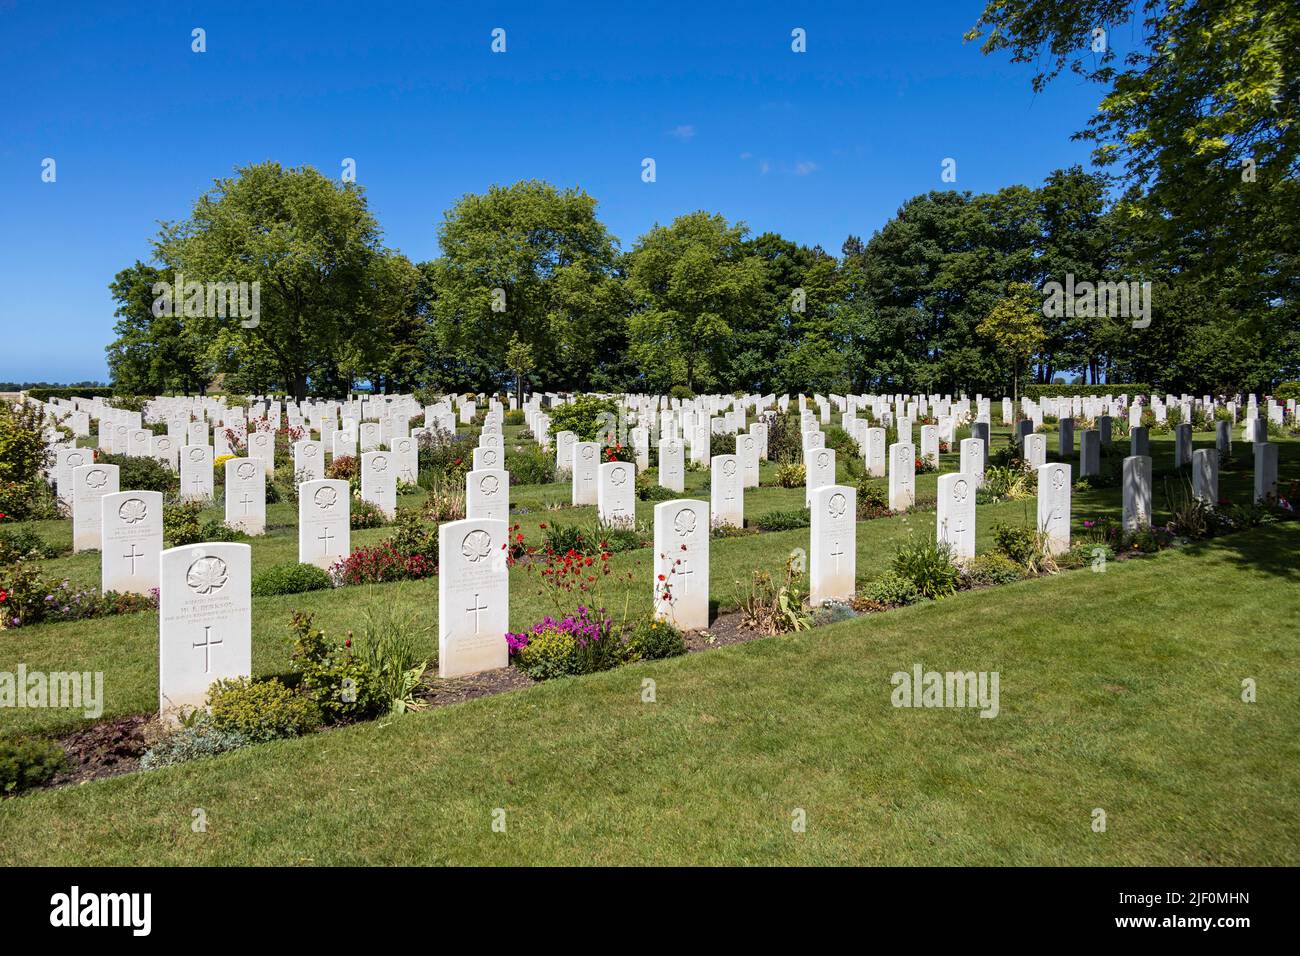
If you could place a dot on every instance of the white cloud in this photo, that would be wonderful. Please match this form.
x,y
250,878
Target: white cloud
x,y
685,131
804,167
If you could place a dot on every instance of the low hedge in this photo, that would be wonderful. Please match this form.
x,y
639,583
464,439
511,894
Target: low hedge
x,y
1069,391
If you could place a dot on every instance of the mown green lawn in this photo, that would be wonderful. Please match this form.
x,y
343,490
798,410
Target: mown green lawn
x,y
1119,691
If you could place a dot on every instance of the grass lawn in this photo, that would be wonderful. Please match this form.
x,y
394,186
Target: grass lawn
x,y
1118,690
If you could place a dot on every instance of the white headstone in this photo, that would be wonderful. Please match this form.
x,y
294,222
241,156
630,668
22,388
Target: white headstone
x,y
1265,471
379,480
875,452
1205,475
196,472
473,596
308,461
564,442
819,471
1137,492
487,494
955,520
324,522
205,626
672,465
1054,506
246,495
972,459
681,566
616,493
902,476
1035,450
832,564
727,492
89,484
586,459
132,539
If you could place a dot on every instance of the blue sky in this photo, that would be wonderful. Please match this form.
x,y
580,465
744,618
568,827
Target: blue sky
x,y
814,146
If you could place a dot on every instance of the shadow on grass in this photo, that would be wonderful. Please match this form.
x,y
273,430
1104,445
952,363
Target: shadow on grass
x,y
1272,549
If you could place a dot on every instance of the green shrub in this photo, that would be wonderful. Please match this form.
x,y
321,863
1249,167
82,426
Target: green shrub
x,y
141,474
199,739
845,445
928,564
181,524
27,763
651,640
791,475
586,416
514,416
1016,542
261,710
530,466
290,579
833,612
784,520
784,439
17,543
366,514
873,502
722,445
412,536
681,393
994,568
335,678
892,590
647,489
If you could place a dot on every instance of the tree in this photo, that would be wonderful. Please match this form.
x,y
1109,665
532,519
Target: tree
x,y
151,354
308,241
694,285
519,359
1015,327
1203,119
527,261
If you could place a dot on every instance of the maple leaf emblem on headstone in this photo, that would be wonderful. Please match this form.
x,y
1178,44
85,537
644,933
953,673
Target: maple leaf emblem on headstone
x,y
476,546
133,511
206,575
837,505
96,479
684,522
325,497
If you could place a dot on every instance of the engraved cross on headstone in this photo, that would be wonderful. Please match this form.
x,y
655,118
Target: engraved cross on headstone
x,y
132,556
207,645
475,609
837,554
325,536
